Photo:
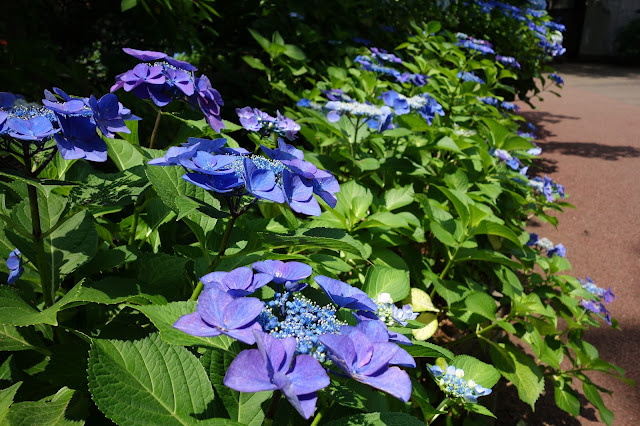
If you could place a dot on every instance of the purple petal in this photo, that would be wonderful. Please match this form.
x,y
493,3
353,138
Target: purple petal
x,y
341,350
393,381
307,375
193,324
344,295
248,373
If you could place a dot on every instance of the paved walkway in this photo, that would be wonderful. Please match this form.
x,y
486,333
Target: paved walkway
x,y
591,145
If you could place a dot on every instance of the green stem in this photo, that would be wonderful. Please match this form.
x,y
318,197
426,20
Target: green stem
x,y
46,161
48,290
154,133
317,418
452,258
445,402
134,225
223,246
476,334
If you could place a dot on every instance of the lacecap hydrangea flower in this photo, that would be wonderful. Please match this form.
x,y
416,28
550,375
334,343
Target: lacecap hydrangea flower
x,y
255,120
546,244
547,187
604,297
296,338
282,176
427,106
71,121
474,44
162,79
451,381
375,63
469,76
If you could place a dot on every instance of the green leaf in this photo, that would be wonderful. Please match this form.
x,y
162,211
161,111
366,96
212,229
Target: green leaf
x,y
492,228
594,397
15,311
254,63
110,189
444,236
266,44
164,316
47,411
6,399
381,279
294,52
127,4
448,144
169,383
327,238
399,197
566,399
480,372
465,255
19,339
72,244
384,219
479,409
481,303
428,350
460,202
123,153
388,418
520,369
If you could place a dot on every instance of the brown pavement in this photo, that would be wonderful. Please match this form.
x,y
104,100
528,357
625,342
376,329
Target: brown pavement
x,y
590,139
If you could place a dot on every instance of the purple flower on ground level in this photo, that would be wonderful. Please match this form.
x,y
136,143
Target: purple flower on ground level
x,y
345,295
220,313
367,361
14,263
238,282
273,366
287,273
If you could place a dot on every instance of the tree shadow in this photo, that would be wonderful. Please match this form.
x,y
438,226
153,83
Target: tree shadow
x,y
598,70
591,150
542,118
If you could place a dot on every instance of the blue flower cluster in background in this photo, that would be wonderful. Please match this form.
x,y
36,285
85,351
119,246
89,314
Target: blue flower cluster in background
x,y
380,56
604,297
547,245
547,187
477,45
71,121
296,338
163,79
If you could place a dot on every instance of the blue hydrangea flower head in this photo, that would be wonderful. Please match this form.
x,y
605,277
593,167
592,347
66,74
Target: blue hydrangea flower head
x,y
220,313
14,263
469,76
452,382
508,60
273,366
79,139
345,295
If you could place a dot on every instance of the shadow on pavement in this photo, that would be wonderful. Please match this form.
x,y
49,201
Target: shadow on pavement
x,y
597,70
591,150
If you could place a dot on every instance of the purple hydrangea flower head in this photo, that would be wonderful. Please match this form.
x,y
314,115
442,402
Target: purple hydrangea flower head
x,y
220,313
366,361
14,263
273,366
255,120
181,155
209,101
79,139
382,55
239,282
106,114
345,295
597,308
490,100
533,239
298,192
283,272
